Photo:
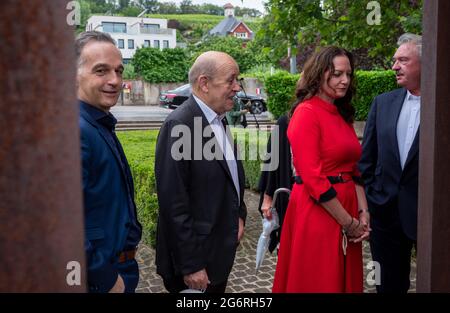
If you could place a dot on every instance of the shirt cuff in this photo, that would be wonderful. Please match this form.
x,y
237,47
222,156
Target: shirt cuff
x,y
328,195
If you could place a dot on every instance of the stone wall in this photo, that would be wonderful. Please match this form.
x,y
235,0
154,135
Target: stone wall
x,y
250,85
143,93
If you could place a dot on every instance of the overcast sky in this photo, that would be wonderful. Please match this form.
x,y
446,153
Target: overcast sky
x,y
252,4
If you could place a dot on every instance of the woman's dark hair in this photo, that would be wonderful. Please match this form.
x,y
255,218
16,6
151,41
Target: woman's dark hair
x,y
311,79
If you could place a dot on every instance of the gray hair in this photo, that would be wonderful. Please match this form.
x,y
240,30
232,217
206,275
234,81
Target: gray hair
x,y
84,38
411,38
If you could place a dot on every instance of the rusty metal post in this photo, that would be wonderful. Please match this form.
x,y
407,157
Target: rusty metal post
x,y
41,216
433,255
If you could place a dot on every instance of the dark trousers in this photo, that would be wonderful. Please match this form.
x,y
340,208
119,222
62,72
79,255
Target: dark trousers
x,y
129,271
176,284
391,248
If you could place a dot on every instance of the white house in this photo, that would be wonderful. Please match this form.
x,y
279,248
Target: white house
x,y
131,33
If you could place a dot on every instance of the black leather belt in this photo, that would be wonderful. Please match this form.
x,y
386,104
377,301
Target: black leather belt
x,y
341,178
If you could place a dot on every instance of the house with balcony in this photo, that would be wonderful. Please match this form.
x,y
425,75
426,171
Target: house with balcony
x,y
131,33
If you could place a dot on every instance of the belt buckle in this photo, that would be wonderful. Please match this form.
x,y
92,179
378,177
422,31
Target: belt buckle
x,y
341,178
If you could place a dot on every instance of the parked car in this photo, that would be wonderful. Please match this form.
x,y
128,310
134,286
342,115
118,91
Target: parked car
x,y
254,103
174,98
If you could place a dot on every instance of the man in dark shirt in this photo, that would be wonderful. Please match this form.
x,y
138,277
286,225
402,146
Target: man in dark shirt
x,y
112,231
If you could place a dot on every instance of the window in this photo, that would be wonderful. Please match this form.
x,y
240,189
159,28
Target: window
x,y
165,44
146,43
147,28
130,44
110,27
156,44
120,44
240,35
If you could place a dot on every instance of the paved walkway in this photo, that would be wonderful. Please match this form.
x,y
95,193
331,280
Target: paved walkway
x,y
242,277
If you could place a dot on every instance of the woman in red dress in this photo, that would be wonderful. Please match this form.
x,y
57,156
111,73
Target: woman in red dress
x,y
327,217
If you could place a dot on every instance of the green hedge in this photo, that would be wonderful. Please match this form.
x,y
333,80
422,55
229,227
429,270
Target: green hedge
x,y
254,140
139,147
280,89
161,66
369,84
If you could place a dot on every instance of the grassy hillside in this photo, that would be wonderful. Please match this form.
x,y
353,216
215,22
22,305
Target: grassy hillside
x,y
192,27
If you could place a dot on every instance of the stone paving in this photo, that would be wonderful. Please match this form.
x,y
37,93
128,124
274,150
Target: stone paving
x,y
243,277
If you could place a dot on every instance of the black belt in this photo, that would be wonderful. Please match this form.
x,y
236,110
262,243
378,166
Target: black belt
x,y
333,179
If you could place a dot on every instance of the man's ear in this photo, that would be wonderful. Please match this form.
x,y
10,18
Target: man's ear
x,y
77,77
203,83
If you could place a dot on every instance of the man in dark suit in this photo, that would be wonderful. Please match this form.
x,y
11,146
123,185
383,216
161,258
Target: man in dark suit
x,y
200,182
112,231
389,167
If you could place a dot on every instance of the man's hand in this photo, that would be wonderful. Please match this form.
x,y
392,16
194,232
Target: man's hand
x,y
241,229
198,280
119,286
266,205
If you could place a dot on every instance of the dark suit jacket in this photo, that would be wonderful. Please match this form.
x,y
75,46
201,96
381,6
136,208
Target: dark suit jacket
x,y
282,177
105,204
387,185
198,203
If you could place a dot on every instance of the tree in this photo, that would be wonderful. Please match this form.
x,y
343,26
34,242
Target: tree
x,y
131,11
186,7
123,4
152,6
212,9
349,24
85,8
168,8
238,11
229,44
101,6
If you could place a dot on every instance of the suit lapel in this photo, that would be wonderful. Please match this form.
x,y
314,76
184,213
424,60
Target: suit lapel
x,y
198,112
240,168
414,148
392,119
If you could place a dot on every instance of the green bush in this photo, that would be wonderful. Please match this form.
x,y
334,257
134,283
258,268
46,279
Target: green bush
x,y
139,147
261,72
254,147
229,44
161,66
280,89
369,84
128,72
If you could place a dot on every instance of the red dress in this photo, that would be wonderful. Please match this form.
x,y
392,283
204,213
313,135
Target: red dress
x,y
311,257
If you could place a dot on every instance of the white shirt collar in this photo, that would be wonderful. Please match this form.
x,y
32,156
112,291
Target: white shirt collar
x,y
410,96
209,113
